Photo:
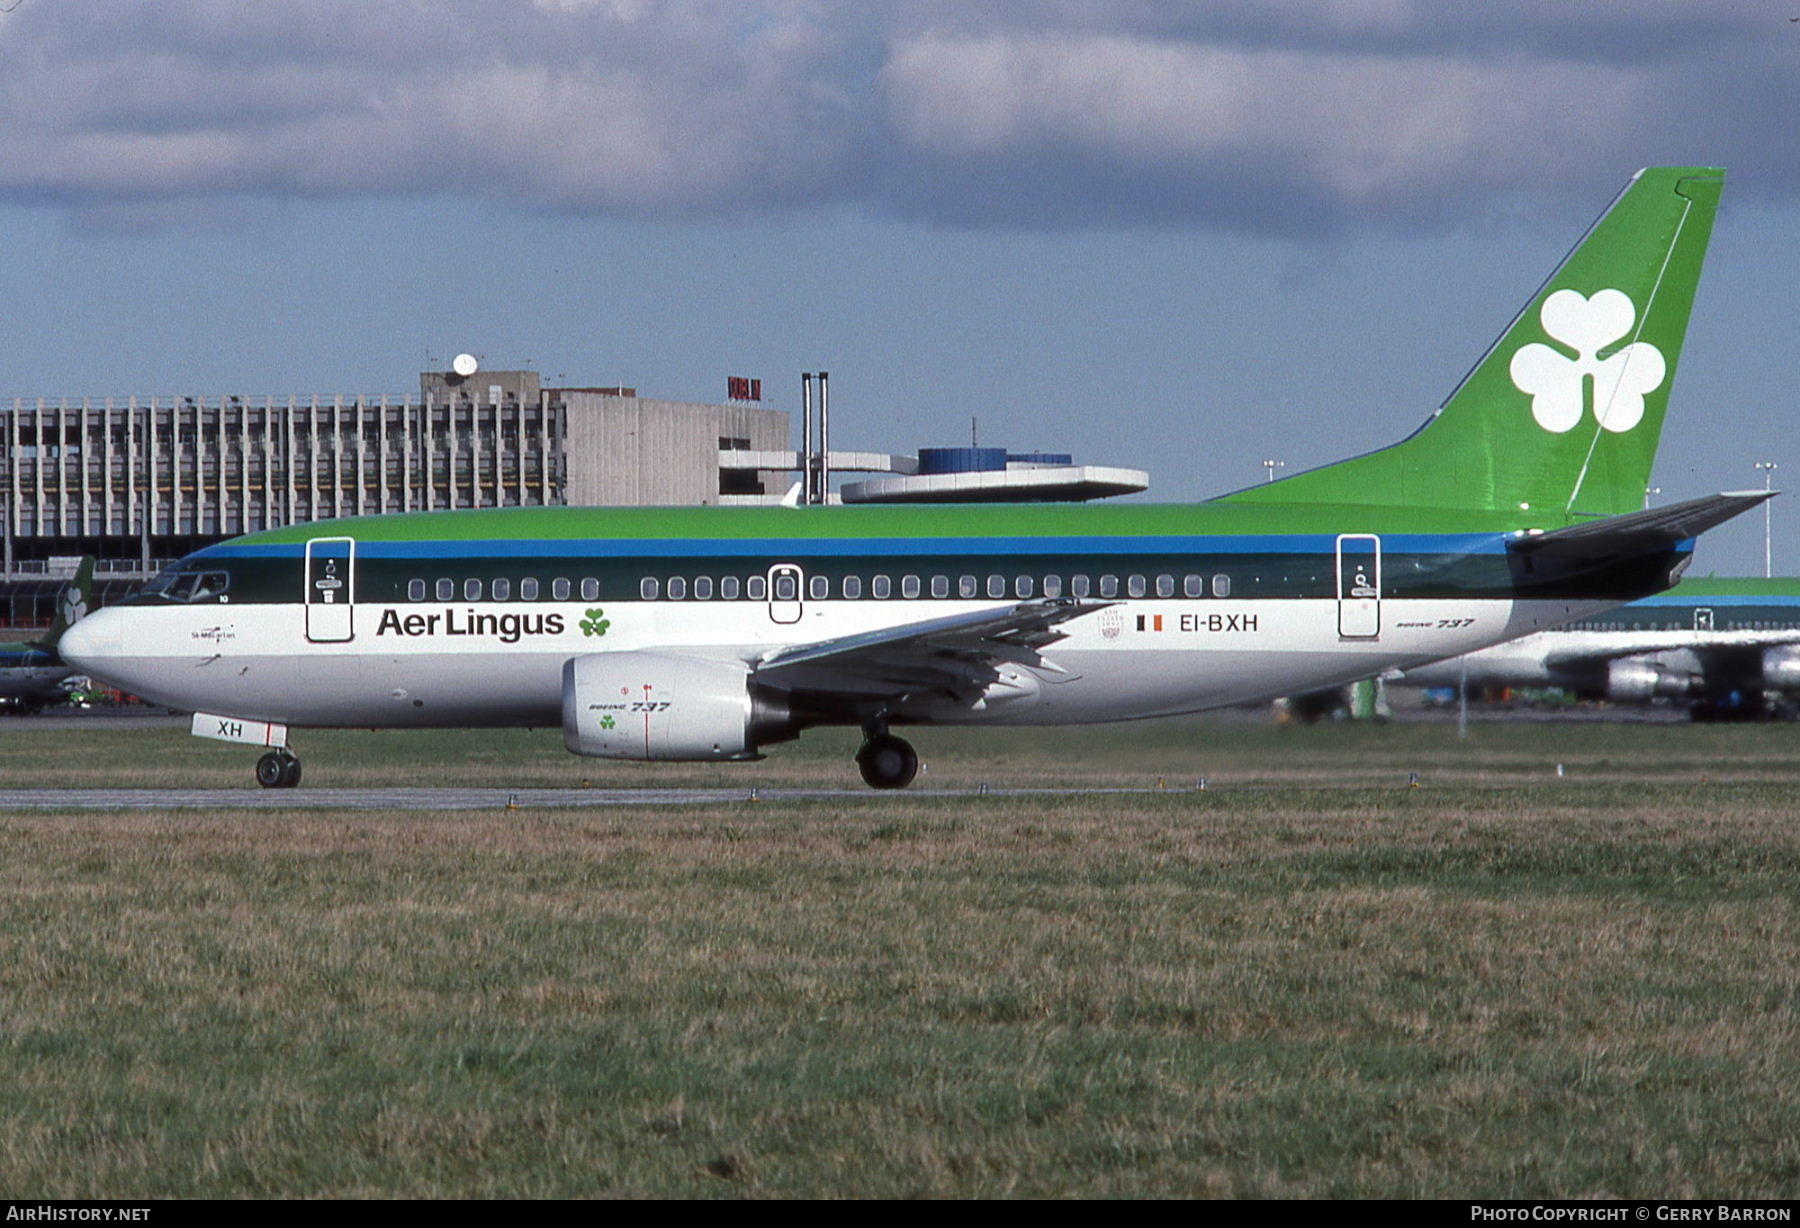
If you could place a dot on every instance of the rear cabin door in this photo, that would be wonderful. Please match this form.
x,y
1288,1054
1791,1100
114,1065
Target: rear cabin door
x,y
331,590
1359,586
785,593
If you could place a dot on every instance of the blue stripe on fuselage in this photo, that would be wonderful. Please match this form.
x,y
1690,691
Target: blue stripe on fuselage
x,y
1688,601
29,658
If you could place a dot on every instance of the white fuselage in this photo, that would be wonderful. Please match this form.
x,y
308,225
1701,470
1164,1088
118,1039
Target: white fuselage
x,y
450,664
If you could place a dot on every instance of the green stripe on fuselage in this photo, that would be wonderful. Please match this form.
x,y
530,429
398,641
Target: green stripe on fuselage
x,y
938,522
1694,588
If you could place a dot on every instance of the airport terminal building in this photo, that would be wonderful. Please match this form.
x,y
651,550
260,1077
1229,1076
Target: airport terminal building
x,y
140,481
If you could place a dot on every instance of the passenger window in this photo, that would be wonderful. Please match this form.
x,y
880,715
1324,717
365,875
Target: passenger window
x,y
728,588
1109,586
786,587
446,590
940,587
1221,585
559,589
996,586
1052,586
852,587
756,588
883,588
909,587
1022,586
1165,586
677,588
966,586
649,588
471,589
528,589
590,589
1135,586
821,587
703,588
415,590
502,589
1193,586
1078,586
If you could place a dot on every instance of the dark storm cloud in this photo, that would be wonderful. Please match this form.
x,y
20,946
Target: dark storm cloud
x,y
1277,116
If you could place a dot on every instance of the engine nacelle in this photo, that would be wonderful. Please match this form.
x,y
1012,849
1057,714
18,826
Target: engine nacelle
x,y
654,705
1781,669
1639,682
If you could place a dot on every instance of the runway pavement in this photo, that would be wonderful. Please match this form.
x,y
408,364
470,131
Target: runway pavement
x,y
16,800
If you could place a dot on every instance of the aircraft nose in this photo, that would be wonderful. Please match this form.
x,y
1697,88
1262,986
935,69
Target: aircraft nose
x,y
93,642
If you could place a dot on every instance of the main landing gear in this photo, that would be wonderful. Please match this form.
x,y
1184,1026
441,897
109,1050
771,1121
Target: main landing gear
x,y
279,769
887,762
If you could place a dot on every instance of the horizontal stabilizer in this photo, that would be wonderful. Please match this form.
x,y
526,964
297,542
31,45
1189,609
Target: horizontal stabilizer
x,y
1651,529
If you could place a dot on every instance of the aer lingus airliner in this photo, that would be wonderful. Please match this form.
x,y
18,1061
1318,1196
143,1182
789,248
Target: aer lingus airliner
x,y
1728,647
710,633
32,673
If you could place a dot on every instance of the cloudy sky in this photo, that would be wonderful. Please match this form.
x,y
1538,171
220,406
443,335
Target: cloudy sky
x,y
1183,237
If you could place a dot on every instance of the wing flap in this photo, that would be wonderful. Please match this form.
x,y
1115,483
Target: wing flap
x,y
956,655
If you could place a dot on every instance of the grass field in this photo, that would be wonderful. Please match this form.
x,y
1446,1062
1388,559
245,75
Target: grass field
x,y
1309,980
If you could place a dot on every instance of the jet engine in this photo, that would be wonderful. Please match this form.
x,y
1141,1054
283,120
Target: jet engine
x,y
1639,682
1781,669
655,705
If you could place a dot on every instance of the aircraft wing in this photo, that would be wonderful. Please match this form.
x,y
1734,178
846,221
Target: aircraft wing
x,y
954,656
1649,643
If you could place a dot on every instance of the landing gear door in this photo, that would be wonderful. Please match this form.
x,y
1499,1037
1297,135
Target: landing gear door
x,y
784,593
331,590
1359,586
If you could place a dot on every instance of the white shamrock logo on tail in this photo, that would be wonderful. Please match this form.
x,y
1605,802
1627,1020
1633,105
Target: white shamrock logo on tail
x,y
74,608
1558,384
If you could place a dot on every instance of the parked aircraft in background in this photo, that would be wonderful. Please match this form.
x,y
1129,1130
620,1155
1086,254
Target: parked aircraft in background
x,y
1728,647
710,633
32,672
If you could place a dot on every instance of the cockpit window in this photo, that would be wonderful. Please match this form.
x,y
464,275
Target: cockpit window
x,y
185,586
210,584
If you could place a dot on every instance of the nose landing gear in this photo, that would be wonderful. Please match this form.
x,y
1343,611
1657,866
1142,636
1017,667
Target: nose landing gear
x,y
279,769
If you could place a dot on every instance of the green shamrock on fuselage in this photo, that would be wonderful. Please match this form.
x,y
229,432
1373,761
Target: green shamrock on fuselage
x,y
595,623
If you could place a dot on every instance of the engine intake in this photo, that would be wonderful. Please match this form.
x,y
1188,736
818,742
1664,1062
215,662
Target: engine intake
x,y
654,705
1638,682
1781,669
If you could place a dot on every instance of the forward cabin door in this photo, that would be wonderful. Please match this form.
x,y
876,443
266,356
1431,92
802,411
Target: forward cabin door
x,y
331,590
785,580
1359,586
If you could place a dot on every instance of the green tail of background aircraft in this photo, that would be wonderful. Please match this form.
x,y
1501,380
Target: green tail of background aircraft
x,y
710,633
32,672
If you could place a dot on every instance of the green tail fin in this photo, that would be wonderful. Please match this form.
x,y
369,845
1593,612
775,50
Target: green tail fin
x,y
1563,414
73,603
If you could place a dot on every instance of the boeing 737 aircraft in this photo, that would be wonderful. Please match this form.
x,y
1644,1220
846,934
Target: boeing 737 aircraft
x,y
710,633
32,673
1728,647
